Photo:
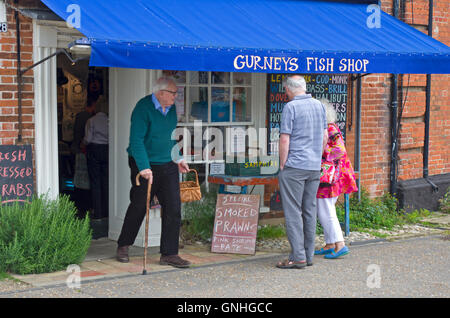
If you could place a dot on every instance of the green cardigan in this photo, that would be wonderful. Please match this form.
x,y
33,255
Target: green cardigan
x,y
150,134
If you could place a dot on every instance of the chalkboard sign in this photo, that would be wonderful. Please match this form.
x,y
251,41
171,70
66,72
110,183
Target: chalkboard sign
x,y
327,86
16,173
235,224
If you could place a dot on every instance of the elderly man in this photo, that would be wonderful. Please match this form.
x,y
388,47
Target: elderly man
x,y
303,135
152,122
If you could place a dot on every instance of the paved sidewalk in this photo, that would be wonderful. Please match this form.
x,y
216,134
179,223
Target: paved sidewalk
x,y
413,267
100,263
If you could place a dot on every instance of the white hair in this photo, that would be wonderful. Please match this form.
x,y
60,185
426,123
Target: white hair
x,y
329,110
162,83
296,84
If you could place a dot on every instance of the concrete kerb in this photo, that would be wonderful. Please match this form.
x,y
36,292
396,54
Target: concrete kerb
x,y
162,270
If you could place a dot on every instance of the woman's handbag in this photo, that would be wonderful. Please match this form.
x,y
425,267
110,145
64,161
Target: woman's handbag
x,y
327,173
190,190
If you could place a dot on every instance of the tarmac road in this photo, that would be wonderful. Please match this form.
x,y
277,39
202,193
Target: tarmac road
x,y
418,267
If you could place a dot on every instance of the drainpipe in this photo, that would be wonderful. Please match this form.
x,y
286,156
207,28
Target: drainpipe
x,y
394,130
357,166
358,132
428,107
19,74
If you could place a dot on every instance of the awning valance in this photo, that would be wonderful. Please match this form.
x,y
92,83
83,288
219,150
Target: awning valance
x,y
271,36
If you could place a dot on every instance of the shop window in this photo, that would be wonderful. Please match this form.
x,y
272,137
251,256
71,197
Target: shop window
x,y
218,98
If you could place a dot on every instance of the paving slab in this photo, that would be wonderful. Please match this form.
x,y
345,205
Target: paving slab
x,y
100,263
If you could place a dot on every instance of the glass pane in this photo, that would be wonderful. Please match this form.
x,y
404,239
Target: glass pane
x,y
241,104
178,76
242,78
199,103
220,104
198,77
220,78
180,103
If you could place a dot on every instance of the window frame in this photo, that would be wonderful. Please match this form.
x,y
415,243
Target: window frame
x,y
187,103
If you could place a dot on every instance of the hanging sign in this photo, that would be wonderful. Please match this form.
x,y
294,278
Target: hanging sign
x,y
16,173
235,224
321,86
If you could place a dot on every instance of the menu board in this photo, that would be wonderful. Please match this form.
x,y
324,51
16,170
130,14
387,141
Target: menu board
x,y
320,86
16,173
235,224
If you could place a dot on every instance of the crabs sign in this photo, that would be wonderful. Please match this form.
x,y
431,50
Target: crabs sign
x,y
16,173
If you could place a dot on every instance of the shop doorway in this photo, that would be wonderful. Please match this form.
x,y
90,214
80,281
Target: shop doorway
x,y
82,93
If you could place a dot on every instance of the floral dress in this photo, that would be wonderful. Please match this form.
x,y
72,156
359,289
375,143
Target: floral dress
x,y
335,151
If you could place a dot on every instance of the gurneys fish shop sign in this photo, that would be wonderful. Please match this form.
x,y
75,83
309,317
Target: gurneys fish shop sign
x,y
307,64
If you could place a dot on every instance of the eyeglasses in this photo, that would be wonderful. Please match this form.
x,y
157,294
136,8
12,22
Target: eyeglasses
x,y
173,93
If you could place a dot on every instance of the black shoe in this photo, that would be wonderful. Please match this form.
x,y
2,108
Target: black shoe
x,y
122,254
175,261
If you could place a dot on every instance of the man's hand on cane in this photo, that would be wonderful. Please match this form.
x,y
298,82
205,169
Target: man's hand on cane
x,y
147,174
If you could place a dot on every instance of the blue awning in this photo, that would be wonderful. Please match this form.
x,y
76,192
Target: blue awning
x,y
271,36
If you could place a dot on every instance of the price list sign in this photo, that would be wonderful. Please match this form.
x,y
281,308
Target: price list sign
x,y
235,224
321,86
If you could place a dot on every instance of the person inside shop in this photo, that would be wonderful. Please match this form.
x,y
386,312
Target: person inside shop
x,y
96,141
82,192
303,135
150,147
344,181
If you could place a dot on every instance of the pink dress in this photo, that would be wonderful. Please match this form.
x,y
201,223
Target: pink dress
x,y
335,151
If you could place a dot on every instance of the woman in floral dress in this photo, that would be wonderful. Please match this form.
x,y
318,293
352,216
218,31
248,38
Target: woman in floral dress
x,y
328,195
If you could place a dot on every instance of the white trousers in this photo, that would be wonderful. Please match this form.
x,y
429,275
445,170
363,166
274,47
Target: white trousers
x,y
326,212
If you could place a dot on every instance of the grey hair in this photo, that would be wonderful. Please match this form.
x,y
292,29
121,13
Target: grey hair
x,y
296,83
162,83
329,110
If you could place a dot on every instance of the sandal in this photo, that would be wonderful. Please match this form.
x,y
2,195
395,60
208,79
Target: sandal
x,y
291,264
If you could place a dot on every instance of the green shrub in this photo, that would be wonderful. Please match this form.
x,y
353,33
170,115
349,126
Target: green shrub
x,y
271,232
377,213
42,236
198,216
444,202
371,213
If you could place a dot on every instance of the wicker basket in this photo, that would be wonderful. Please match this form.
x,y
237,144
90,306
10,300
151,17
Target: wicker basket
x,y
190,190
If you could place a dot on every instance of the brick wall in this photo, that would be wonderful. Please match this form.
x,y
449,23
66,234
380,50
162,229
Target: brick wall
x,y
9,113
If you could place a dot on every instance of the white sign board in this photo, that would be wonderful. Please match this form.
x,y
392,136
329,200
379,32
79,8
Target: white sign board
x,y
3,22
216,168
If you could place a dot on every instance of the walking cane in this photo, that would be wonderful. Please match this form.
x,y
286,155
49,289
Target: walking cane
x,y
149,189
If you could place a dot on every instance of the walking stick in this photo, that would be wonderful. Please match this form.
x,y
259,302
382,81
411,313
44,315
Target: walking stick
x,y
149,189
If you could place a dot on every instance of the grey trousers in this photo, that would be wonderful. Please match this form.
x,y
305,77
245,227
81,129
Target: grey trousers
x,y
298,189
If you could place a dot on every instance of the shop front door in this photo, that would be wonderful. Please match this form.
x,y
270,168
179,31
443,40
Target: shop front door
x,y
126,87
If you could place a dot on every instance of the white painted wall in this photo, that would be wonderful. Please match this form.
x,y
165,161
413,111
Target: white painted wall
x,y
46,120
